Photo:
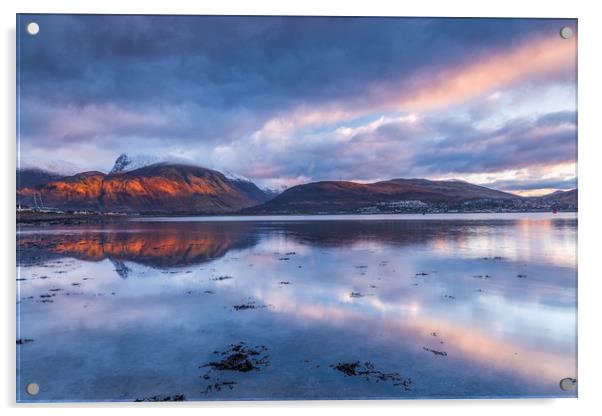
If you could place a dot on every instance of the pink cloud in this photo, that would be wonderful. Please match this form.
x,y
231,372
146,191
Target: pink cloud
x,y
536,59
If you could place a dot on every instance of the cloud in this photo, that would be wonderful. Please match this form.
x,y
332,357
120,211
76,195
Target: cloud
x,y
285,99
409,145
533,60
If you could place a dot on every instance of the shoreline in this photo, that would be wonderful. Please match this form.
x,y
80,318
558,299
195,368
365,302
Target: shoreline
x,y
29,218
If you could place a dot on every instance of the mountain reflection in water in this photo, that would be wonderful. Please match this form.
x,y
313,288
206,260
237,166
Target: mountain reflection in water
x,y
455,308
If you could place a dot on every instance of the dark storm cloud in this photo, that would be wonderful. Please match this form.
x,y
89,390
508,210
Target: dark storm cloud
x,y
244,61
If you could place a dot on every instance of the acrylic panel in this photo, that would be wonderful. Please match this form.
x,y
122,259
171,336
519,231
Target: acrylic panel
x,y
284,208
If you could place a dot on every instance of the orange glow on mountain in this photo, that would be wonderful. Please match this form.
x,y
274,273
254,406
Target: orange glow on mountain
x,y
173,188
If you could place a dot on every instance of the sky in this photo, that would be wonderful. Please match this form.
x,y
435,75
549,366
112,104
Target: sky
x,y
289,100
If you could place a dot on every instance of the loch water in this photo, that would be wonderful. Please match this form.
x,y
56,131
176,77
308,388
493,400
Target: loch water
x,y
272,308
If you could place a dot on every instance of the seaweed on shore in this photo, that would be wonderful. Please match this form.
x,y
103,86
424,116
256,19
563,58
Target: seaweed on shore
x,y
238,358
163,398
218,386
368,371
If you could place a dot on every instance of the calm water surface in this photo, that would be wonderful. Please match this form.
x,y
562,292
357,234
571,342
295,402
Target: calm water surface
x,y
299,308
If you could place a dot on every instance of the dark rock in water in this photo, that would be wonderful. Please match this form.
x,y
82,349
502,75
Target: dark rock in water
x,y
22,341
219,278
248,305
349,369
368,371
162,398
442,353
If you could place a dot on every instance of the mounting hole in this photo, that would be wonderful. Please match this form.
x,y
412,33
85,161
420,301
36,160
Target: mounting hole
x,y
32,389
568,384
566,32
33,28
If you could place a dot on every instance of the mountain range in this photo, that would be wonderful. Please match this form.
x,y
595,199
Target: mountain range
x,y
160,188
146,186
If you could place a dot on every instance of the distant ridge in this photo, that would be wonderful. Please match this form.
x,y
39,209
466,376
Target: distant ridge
x,y
396,195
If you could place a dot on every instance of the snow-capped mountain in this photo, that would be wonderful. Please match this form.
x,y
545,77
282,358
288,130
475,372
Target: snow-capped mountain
x,y
126,163
274,192
232,175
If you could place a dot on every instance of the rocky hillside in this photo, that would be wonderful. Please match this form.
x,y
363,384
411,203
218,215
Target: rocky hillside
x,y
158,188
